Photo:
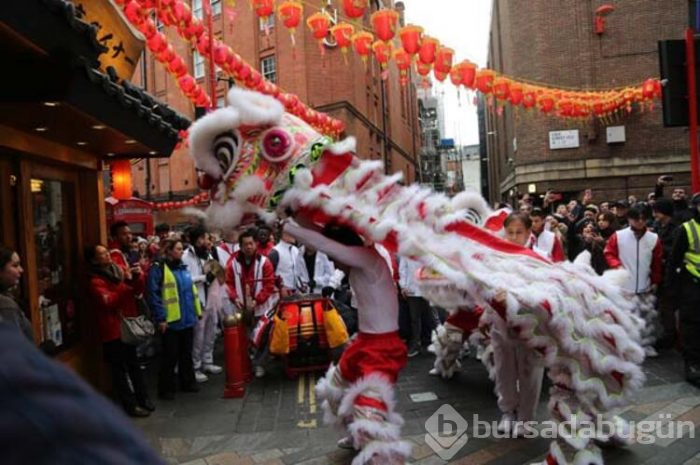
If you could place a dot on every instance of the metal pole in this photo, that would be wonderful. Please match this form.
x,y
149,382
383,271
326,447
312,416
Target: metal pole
x,y
206,5
693,109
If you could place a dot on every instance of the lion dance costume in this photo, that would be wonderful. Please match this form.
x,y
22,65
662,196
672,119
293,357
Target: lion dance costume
x,y
258,160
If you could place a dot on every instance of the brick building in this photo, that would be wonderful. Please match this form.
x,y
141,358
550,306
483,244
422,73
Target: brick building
x,y
381,114
555,43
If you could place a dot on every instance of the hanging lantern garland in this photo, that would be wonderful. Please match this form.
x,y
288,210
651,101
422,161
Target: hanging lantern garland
x,y
176,13
431,57
164,53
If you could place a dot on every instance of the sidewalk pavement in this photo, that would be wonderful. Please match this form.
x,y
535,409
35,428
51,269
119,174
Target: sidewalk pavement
x,y
279,422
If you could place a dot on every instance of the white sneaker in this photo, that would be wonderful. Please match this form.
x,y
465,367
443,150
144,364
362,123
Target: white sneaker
x,y
507,422
259,372
431,349
213,369
346,443
433,372
200,377
650,352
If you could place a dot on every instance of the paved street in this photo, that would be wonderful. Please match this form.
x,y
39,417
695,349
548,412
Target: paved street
x,y
279,422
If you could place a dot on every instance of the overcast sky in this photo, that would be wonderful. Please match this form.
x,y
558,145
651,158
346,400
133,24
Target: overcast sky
x,y
464,26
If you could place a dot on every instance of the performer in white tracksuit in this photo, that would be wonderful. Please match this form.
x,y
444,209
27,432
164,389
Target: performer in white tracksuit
x,y
358,393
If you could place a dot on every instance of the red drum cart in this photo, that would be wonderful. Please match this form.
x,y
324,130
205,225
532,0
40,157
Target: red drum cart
x,y
308,345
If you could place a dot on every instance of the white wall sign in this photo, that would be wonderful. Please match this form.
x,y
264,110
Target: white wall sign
x,y
616,134
563,139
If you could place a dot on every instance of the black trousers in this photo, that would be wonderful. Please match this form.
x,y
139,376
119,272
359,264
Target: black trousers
x,y
689,317
128,384
177,350
424,320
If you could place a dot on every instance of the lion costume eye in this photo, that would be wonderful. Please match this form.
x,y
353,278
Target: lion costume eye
x,y
225,150
277,145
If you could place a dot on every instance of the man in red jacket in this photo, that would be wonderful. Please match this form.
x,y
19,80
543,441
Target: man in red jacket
x,y
640,252
123,256
250,283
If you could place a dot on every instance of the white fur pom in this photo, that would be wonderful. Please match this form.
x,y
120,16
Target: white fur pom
x,y
584,258
344,146
303,179
254,108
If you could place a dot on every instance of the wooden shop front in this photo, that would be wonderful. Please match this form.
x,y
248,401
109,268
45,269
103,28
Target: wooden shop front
x,y
64,114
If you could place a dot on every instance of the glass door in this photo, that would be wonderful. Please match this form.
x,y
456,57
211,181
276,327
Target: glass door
x,y
56,248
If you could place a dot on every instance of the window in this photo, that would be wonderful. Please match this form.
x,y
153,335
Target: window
x,y
268,68
197,9
197,64
269,24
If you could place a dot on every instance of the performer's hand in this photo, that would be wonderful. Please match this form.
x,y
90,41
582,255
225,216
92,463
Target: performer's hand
x,y
500,297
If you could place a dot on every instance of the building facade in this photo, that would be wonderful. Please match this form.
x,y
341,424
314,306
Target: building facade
x,y
380,113
557,44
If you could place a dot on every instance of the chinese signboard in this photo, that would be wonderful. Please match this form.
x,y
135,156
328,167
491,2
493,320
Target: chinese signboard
x,y
124,44
563,139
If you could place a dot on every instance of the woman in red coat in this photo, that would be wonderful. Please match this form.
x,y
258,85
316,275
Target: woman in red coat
x,y
113,294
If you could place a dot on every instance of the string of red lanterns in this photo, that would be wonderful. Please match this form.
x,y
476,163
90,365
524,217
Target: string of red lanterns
x,y
164,52
434,57
177,13
202,197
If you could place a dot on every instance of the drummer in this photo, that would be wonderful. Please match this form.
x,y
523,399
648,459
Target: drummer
x,y
358,393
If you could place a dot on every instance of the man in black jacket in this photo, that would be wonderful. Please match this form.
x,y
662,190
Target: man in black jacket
x,y
665,227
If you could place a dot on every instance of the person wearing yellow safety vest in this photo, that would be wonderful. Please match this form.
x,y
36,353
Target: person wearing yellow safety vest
x,y
684,275
176,309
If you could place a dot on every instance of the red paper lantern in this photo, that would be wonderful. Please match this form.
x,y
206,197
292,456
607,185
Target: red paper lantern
x,y
443,60
342,33
484,80
423,69
384,23
529,98
121,179
263,8
428,47
411,37
382,52
651,89
177,66
354,8
319,23
547,103
187,83
439,75
456,75
362,43
157,43
403,63
290,13
516,94
468,70
501,88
